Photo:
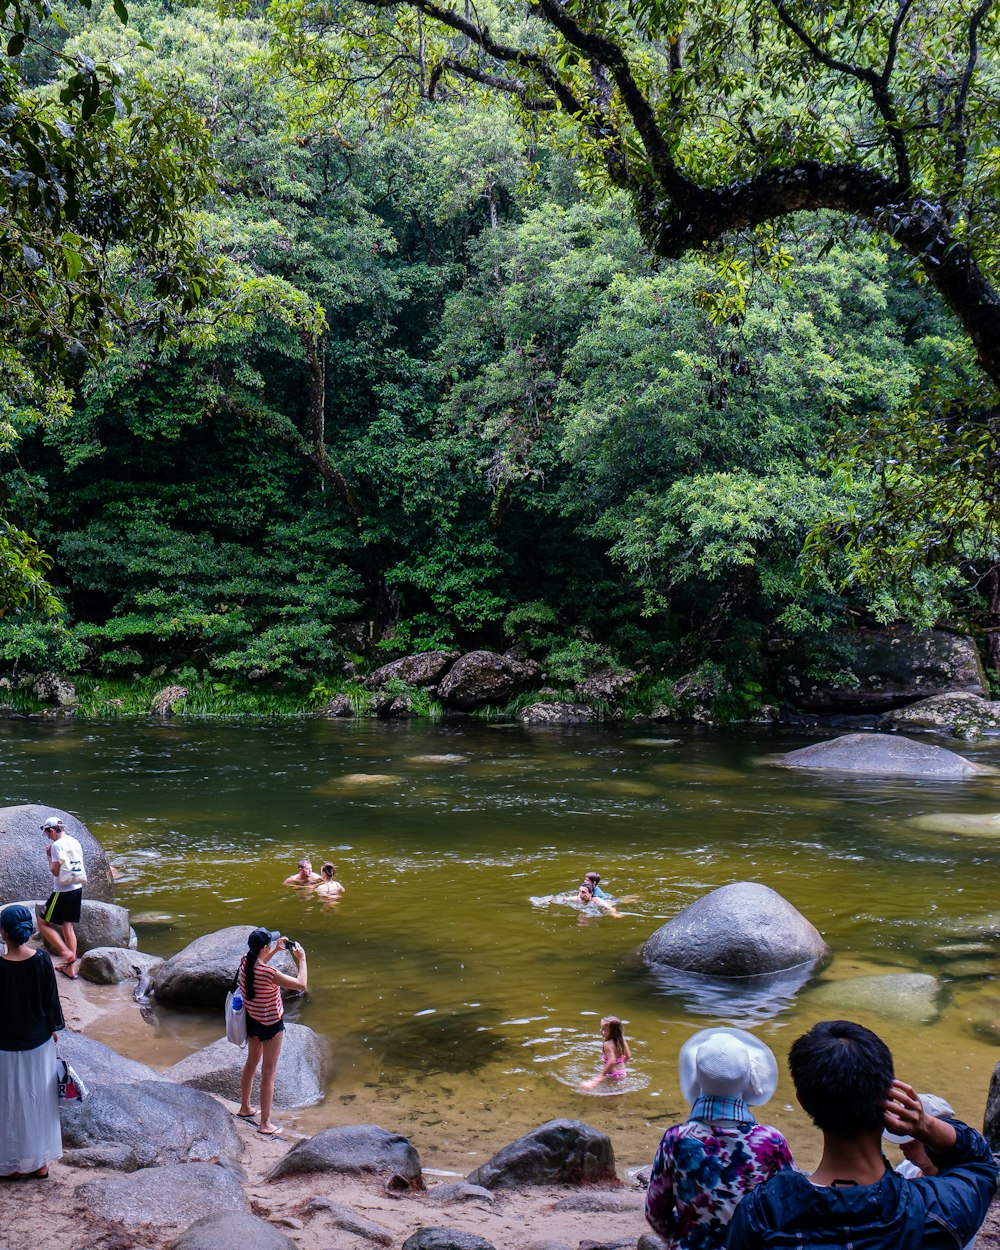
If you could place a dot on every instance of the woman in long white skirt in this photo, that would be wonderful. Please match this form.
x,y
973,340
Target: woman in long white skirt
x,y
30,1017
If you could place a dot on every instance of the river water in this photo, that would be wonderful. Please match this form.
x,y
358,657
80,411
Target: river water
x,y
459,1011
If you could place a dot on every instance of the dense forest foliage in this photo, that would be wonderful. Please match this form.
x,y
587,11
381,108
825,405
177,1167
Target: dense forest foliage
x,y
425,384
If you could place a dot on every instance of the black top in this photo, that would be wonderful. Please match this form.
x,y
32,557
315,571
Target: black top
x,y
30,1011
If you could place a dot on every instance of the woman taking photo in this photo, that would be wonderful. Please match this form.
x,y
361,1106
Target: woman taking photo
x,y
30,1015
261,987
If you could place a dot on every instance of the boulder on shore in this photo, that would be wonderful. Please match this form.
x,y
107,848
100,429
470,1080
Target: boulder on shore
x,y
555,713
202,973
606,686
446,1239
991,1121
339,706
484,677
559,1152
740,930
165,700
110,965
100,924
423,669
232,1230
882,755
165,1196
955,713
892,666
353,1148
24,869
159,1121
217,1069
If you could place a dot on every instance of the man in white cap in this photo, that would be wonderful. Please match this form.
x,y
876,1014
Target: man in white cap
x,y
62,908
704,1166
844,1079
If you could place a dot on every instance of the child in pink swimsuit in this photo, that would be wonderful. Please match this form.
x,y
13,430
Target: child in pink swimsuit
x,y
614,1053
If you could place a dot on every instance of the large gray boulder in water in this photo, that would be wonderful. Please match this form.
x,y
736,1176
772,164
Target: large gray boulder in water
x,y
217,1069
882,755
559,1152
202,973
24,870
740,930
484,677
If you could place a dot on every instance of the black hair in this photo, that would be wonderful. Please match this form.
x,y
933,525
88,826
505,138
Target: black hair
x,y
255,944
328,871
842,1072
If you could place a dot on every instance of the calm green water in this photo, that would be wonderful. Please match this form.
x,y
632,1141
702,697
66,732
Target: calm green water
x,y
456,1010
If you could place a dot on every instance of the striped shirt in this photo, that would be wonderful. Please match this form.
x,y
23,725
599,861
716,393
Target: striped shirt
x,y
265,1007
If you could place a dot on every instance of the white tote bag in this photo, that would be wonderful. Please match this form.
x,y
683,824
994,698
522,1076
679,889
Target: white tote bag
x,y
236,1020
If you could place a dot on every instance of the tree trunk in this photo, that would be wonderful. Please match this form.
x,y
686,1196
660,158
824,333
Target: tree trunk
x,y
315,351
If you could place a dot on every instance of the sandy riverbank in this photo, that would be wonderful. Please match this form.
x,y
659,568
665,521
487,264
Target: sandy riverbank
x,y
47,1215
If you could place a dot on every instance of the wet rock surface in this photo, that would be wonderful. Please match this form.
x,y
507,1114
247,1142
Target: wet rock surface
x,y
110,965
161,1123
559,1152
24,869
298,1079
947,713
883,755
165,1196
354,1148
740,930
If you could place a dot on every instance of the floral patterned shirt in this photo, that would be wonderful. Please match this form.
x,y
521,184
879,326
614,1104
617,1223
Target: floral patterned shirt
x,y
704,1167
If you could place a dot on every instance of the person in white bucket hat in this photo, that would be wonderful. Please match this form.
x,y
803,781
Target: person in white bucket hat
x,y
704,1166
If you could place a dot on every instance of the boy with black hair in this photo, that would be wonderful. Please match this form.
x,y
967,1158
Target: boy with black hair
x,y
844,1079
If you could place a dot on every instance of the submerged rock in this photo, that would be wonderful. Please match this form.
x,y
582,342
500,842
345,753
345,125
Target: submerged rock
x,y
559,1152
882,755
740,930
24,870
906,997
984,826
217,1069
353,1148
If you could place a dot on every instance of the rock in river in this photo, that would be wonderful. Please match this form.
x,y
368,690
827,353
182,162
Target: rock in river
x,y
423,669
559,1152
947,713
24,871
201,974
738,930
217,1068
882,755
557,713
907,997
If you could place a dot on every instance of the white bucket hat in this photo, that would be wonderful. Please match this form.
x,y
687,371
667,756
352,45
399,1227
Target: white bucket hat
x,y
933,1105
727,1062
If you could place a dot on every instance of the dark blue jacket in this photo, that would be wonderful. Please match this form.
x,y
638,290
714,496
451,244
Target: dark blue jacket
x,y
932,1213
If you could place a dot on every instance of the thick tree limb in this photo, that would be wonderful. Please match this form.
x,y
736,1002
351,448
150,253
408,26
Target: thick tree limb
x,y
509,86
962,97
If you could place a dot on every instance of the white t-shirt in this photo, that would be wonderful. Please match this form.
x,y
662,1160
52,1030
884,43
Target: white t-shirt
x,y
69,853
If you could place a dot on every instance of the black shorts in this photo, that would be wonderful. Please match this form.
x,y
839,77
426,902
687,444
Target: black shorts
x,y
63,906
263,1032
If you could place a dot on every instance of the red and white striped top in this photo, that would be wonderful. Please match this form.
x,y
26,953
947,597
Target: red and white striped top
x,y
265,1006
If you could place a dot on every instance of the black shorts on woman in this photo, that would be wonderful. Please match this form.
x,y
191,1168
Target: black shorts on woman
x,y
263,1032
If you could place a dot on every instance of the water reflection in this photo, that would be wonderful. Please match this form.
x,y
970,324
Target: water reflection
x,y
743,1001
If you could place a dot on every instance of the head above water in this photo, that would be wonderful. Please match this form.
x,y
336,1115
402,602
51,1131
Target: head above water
x,y
593,879
17,924
305,865
612,1031
585,894
842,1073
329,871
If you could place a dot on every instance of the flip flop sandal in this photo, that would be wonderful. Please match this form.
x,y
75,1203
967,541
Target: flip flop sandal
x,y
271,1132
70,976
